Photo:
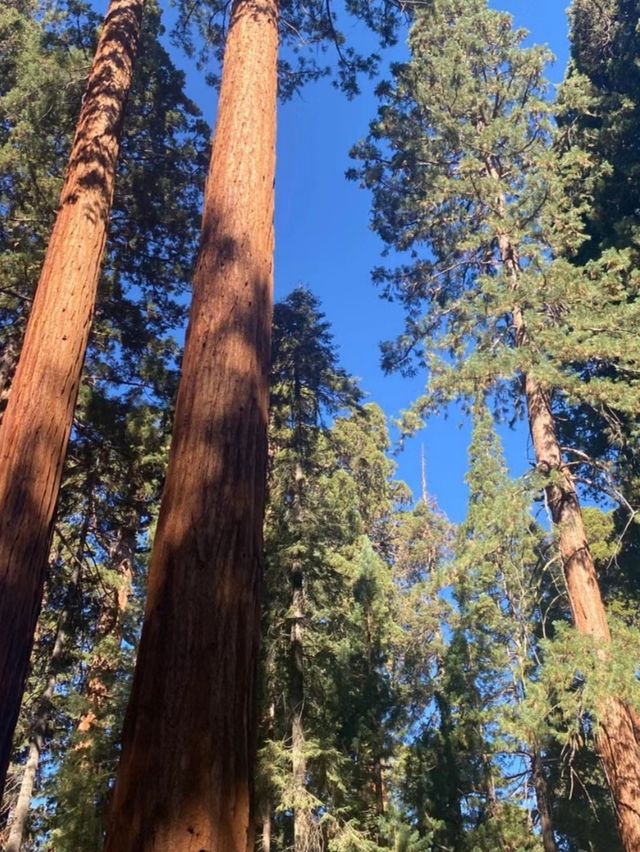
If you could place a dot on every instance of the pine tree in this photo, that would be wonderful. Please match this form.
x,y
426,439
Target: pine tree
x,y
461,161
38,419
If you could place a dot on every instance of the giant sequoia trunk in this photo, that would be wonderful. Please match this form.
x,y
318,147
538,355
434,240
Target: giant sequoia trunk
x,y
37,422
185,776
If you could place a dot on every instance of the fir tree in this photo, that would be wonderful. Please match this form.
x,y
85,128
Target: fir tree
x,y
461,162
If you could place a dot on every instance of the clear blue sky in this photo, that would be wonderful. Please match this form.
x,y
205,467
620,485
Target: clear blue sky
x,y
323,240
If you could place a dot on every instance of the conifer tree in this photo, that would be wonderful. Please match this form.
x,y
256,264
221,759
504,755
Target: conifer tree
x,y
193,732
604,113
499,570
37,423
308,386
599,111
461,161
117,447
335,533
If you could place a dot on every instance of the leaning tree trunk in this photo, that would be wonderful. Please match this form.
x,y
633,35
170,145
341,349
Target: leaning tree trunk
x,y
40,725
39,728
618,740
185,776
37,422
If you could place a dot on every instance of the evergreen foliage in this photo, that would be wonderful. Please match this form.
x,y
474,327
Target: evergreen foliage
x,y
421,685
461,153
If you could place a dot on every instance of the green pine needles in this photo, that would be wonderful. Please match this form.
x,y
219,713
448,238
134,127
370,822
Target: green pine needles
x,y
465,154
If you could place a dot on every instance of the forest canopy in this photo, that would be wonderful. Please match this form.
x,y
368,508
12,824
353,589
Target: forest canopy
x,y
227,623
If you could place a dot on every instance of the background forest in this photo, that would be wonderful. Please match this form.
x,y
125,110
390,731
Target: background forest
x,y
422,684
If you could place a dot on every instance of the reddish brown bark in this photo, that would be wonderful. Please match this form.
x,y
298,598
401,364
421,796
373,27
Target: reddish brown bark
x,y
37,422
618,742
184,781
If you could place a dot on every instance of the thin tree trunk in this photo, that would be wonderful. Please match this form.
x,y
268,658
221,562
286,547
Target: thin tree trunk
x,y
296,684
37,422
40,723
23,804
541,789
266,805
298,757
266,828
185,777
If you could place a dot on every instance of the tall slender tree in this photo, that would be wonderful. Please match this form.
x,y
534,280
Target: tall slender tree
x,y
193,732
468,169
37,423
308,387
116,454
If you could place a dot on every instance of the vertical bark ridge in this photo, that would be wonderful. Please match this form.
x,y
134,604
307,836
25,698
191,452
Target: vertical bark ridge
x,y
38,418
185,777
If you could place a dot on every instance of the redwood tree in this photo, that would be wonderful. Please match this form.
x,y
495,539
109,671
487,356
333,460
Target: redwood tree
x,y
188,746
37,422
189,737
